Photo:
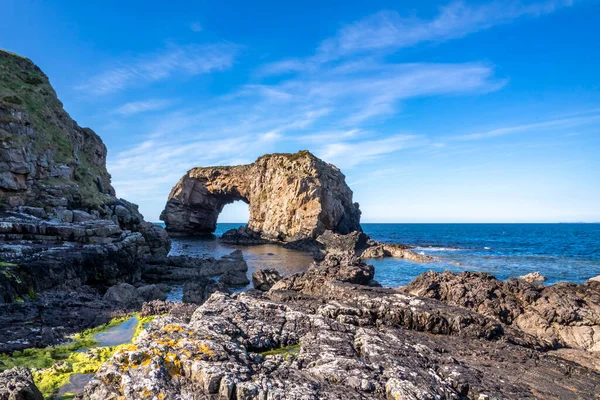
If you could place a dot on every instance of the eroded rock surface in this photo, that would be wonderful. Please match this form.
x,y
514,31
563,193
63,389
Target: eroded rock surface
x,y
17,384
264,279
563,315
290,196
318,336
183,268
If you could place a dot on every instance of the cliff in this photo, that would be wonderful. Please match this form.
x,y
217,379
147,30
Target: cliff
x,y
290,196
46,158
60,222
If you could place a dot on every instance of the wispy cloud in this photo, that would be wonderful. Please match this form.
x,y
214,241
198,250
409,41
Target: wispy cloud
x,y
546,125
388,30
348,154
187,60
136,107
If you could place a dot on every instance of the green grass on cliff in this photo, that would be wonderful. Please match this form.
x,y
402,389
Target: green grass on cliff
x,y
24,87
53,366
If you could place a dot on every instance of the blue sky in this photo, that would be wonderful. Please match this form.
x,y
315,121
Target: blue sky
x,y
435,111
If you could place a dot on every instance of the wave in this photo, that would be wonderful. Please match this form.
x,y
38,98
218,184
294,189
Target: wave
x,y
436,248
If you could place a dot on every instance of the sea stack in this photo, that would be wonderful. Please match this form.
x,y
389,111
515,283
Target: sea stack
x,y
290,196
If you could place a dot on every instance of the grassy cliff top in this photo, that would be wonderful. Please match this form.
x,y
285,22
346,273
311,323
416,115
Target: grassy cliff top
x,y
25,88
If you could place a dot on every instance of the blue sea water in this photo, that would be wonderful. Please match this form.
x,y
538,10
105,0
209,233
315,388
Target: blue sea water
x,y
561,252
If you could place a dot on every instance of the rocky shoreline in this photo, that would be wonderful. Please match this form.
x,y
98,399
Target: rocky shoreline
x,y
73,256
329,333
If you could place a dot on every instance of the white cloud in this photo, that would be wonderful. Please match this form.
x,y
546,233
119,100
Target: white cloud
x,y
136,107
187,60
349,154
388,30
546,125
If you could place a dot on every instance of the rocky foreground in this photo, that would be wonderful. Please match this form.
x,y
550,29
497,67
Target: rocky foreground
x,y
73,256
330,334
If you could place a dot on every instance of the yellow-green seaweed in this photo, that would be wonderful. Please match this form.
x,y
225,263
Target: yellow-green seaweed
x,y
53,366
284,351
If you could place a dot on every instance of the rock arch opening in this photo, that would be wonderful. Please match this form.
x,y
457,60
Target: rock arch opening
x,y
236,213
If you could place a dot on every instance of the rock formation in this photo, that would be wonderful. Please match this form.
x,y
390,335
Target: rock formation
x,y
562,315
64,235
17,384
46,159
291,197
325,335
61,225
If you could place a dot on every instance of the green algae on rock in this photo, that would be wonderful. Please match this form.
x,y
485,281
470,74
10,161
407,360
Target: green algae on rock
x,y
53,366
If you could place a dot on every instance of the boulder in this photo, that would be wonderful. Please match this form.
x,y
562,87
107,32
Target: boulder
x,y
264,279
124,295
376,249
533,277
17,384
234,278
562,315
352,243
199,290
151,292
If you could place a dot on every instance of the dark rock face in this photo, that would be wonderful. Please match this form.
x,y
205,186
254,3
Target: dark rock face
x,y
562,315
17,384
291,197
243,236
183,268
234,278
331,339
264,279
51,317
129,297
199,290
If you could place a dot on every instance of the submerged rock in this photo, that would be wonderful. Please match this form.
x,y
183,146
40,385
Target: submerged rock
x,y
290,196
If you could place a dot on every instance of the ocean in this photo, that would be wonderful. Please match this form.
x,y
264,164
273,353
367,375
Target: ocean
x,y
561,252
